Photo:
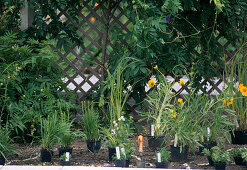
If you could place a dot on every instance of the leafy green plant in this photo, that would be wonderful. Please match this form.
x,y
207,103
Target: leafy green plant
x,y
237,151
217,155
5,141
90,121
63,157
244,155
165,155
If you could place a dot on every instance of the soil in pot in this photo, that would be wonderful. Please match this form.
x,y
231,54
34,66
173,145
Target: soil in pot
x,y
220,166
121,163
207,146
156,142
111,153
65,163
62,151
177,156
2,160
45,155
161,164
239,161
239,137
93,146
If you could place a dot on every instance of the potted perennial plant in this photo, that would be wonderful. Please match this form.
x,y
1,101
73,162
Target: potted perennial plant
x,y
219,157
91,126
159,105
237,153
162,158
237,88
65,159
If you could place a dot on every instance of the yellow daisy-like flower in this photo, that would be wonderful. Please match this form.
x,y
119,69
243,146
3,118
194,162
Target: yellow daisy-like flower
x,y
42,90
244,91
151,83
171,110
240,87
181,82
1,84
175,115
24,95
8,77
156,66
180,102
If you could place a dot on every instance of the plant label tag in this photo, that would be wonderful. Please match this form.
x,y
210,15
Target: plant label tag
x,y
236,122
118,152
175,140
67,156
152,130
159,157
208,130
123,151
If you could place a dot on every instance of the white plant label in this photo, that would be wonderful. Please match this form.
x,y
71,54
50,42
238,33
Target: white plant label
x,y
152,130
123,151
67,156
236,122
118,152
159,157
208,130
175,140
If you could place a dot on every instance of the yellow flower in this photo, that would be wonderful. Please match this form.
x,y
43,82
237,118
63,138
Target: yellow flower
x,y
244,91
228,101
156,66
1,84
42,90
8,77
181,82
180,102
175,115
96,4
24,95
151,83
240,87
171,110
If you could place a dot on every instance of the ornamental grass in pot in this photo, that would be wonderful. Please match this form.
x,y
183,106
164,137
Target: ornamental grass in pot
x,y
50,129
237,90
91,126
66,138
163,157
159,105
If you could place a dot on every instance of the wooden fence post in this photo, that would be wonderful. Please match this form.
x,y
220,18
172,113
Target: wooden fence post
x,y
27,14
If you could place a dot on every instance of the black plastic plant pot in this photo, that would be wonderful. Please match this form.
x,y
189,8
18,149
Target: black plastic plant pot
x,y
177,156
156,142
121,163
45,155
239,160
65,163
93,146
207,146
161,164
62,151
2,160
111,153
210,161
239,137
220,166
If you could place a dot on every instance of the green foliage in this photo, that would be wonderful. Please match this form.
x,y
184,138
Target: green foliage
x,y
217,155
90,121
5,141
30,84
63,157
165,155
237,151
